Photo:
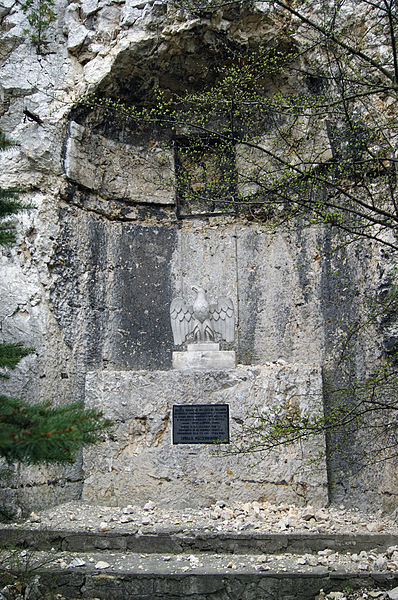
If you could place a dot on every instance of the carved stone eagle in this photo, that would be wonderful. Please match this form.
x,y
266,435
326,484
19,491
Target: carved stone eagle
x,y
202,321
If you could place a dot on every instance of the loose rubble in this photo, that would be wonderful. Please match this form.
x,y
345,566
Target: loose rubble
x,y
364,594
249,516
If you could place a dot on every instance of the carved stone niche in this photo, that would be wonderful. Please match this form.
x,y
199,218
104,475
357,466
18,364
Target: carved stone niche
x,y
169,163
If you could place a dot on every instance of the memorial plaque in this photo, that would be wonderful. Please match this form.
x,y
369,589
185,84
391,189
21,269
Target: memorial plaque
x,y
200,423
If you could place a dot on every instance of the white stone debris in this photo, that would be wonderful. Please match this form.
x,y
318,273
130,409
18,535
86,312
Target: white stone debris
x,y
101,564
77,562
242,516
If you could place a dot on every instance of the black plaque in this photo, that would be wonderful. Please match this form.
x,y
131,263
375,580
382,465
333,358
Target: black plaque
x,y
201,423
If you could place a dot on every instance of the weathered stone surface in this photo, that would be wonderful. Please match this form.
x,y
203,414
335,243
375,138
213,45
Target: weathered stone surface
x,y
113,303
118,170
133,272
138,462
279,296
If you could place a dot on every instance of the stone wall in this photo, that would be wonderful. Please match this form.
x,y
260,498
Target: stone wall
x,y
103,252
123,276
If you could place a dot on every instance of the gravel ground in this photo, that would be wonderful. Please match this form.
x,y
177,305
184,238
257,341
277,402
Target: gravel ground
x,y
260,517
206,563
364,594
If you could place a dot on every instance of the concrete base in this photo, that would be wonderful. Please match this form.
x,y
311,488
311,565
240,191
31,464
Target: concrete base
x,y
205,355
203,347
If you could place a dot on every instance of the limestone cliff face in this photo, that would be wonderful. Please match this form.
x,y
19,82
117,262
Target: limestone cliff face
x,y
103,252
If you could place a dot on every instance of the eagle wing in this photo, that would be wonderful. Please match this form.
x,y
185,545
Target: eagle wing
x,y
181,315
222,318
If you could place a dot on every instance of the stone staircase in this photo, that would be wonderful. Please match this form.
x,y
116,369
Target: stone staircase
x,y
205,565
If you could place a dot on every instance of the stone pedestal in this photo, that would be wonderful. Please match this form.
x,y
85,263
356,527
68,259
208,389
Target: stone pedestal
x,y
137,461
204,355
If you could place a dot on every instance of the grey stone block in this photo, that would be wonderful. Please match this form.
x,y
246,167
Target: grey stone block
x,y
137,462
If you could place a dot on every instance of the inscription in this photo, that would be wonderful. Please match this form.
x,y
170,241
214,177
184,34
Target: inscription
x,y
200,423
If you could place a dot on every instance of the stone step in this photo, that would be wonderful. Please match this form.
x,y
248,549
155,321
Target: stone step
x,y
202,565
166,541
206,576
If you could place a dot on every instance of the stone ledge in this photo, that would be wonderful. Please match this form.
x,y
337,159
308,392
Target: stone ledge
x,y
169,542
161,577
